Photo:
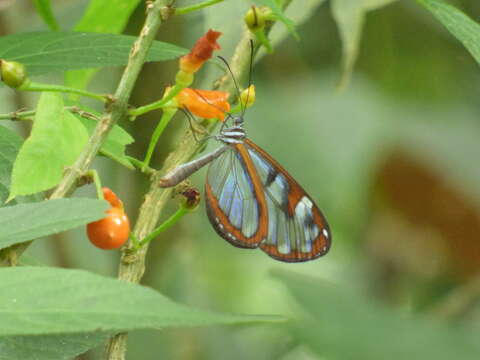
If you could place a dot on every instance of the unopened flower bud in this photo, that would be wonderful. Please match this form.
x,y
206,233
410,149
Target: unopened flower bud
x,y
12,73
255,19
247,96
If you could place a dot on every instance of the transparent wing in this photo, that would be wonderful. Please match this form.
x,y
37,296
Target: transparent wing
x,y
297,230
235,204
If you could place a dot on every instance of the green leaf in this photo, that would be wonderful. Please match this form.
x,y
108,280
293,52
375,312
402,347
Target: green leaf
x,y
53,347
107,16
114,145
101,17
56,140
10,143
460,25
45,52
44,8
50,301
350,16
24,222
337,323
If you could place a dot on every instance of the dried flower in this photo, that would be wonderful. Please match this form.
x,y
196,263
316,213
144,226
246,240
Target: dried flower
x,y
201,52
190,199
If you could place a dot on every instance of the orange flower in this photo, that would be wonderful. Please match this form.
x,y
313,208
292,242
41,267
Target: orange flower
x,y
201,52
207,104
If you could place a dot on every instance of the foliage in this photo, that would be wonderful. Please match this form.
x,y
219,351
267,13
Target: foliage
x,y
391,161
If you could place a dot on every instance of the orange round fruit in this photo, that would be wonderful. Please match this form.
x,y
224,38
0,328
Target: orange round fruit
x,y
111,232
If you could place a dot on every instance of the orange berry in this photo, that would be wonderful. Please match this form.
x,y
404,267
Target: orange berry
x,y
111,232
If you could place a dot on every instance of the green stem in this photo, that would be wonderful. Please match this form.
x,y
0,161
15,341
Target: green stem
x,y
236,109
172,220
97,182
157,104
140,165
17,115
164,121
195,7
263,39
33,86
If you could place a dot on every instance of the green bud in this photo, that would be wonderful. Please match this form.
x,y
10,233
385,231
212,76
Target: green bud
x,y
255,19
12,73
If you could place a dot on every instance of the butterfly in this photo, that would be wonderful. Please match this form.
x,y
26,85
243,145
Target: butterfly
x,y
253,202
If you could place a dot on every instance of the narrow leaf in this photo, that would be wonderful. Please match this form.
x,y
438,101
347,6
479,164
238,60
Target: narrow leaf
x,y
45,52
26,222
56,140
350,16
53,347
460,25
337,323
84,302
44,8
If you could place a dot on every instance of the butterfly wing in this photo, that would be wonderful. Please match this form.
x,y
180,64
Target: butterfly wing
x,y
297,229
235,201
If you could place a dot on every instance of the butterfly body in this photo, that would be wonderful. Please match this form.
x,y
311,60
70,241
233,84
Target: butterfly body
x,y
253,202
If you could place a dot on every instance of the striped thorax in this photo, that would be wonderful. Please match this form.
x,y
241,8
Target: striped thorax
x,y
234,134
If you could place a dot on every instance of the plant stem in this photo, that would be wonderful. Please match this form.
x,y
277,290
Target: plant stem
x,y
17,115
33,86
97,182
167,115
172,220
140,166
157,104
117,346
195,7
132,264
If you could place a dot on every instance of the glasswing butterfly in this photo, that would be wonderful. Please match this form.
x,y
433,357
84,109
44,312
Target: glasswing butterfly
x,y
253,202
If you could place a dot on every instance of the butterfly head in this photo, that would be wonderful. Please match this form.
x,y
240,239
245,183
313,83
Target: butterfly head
x,y
238,120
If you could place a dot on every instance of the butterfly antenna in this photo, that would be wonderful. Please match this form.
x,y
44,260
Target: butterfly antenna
x,y
234,81
189,116
250,72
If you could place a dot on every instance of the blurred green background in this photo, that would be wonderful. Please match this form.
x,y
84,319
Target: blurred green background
x,y
393,161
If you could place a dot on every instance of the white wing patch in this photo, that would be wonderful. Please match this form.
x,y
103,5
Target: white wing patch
x,y
287,233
